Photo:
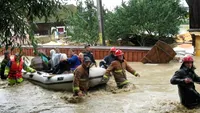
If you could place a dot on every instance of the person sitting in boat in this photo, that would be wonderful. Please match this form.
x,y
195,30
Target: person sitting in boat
x,y
185,78
89,54
108,59
55,58
81,78
4,63
118,67
80,57
44,57
73,59
68,64
14,68
40,62
62,66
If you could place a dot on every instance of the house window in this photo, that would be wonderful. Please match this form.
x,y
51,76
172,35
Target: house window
x,y
60,30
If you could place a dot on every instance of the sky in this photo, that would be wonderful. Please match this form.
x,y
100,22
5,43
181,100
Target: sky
x,y
111,4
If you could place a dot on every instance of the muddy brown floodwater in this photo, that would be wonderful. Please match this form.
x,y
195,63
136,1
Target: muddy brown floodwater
x,y
151,93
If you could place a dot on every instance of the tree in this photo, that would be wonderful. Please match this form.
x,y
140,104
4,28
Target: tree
x,y
16,20
144,21
84,25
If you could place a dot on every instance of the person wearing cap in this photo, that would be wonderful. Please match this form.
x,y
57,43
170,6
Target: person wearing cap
x,y
185,78
89,54
14,68
81,78
118,67
108,59
4,63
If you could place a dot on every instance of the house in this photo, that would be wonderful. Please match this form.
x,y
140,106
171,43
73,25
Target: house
x,y
47,28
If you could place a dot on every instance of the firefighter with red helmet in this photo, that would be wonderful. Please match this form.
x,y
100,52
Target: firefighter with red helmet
x,y
14,68
185,78
113,49
118,67
108,59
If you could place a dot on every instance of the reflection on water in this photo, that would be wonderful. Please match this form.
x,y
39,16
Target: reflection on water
x,y
152,93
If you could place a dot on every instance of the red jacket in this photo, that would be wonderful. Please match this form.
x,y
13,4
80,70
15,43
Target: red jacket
x,y
15,69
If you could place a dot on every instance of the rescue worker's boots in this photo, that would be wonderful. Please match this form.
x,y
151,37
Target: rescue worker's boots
x,y
3,77
14,81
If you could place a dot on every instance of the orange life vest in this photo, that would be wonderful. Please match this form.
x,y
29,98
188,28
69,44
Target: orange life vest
x,y
15,69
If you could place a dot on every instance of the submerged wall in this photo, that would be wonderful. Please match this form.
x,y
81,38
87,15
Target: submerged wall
x,y
132,54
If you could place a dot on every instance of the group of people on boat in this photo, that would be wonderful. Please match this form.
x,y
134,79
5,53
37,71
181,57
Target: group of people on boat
x,y
114,63
58,63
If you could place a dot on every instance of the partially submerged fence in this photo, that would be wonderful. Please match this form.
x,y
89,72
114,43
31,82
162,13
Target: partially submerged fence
x,y
132,54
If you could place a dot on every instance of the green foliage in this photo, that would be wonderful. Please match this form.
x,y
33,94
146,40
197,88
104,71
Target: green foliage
x,y
16,20
139,19
84,23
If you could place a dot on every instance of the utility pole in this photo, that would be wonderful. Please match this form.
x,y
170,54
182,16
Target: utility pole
x,y
101,22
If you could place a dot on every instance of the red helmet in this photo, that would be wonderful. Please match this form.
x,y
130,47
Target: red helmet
x,y
188,59
118,53
112,49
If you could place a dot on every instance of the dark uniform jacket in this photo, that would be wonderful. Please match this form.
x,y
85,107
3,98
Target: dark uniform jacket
x,y
2,68
188,95
90,55
107,61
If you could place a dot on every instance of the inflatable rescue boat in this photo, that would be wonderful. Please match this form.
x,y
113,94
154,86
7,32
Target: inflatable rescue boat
x,y
63,81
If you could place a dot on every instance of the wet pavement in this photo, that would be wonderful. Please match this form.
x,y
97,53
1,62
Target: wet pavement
x,y
152,93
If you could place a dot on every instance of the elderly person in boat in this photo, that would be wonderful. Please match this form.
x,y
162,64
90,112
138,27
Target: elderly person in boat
x,y
55,58
68,64
81,78
62,66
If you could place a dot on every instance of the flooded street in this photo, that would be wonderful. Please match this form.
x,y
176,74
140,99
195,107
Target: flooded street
x,y
152,93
